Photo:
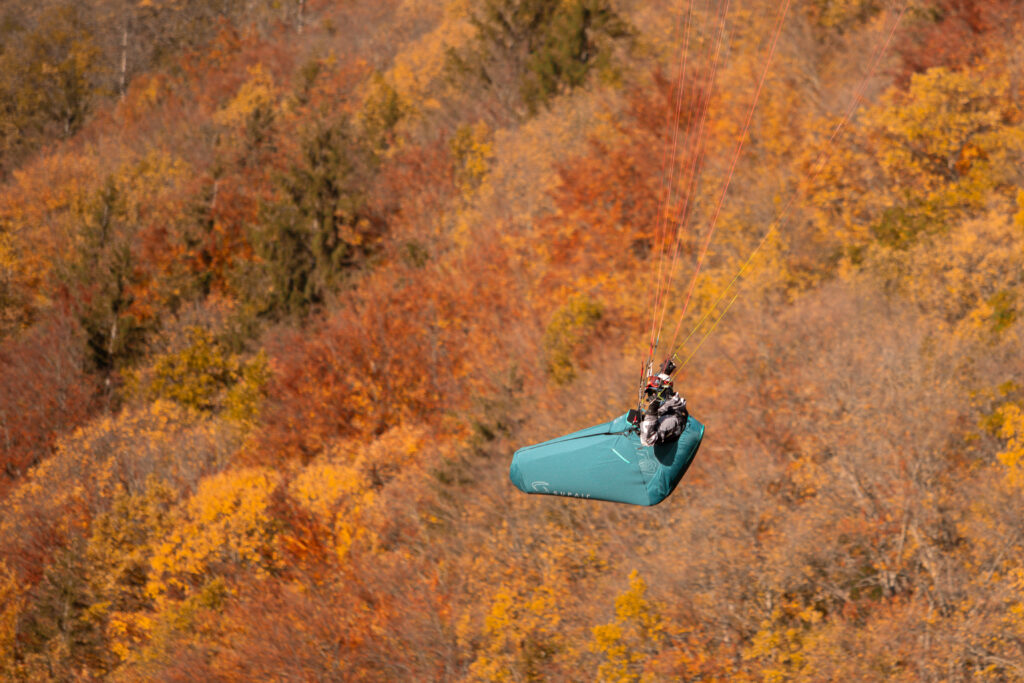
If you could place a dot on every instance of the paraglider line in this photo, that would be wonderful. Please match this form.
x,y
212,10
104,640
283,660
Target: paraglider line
x,y
692,178
780,21
818,166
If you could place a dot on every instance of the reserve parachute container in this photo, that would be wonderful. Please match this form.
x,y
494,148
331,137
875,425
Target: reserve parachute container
x,y
607,462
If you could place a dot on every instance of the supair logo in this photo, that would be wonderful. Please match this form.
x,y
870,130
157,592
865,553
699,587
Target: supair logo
x,y
545,487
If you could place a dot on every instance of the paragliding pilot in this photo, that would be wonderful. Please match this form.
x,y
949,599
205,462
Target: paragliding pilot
x,y
666,415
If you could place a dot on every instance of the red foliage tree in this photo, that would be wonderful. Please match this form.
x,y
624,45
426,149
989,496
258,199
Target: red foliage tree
x,y
44,390
956,33
407,348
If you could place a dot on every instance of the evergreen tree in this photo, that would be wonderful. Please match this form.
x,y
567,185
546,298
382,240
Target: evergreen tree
x,y
526,51
321,228
103,279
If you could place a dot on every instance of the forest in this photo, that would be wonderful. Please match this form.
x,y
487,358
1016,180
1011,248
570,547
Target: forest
x,y
285,283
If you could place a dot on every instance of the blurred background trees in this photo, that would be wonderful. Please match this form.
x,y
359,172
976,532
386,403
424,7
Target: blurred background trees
x,y
284,284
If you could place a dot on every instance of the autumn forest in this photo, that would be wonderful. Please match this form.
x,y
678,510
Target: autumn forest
x,y
285,283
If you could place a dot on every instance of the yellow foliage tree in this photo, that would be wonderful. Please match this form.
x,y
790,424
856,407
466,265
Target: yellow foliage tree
x,y
1013,454
522,634
342,488
118,550
473,150
205,376
35,231
637,633
11,600
919,160
571,326
780,643
96,507
256,93
969,277
226,523
115,453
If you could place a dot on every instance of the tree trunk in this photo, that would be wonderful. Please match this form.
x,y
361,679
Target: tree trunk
x,y
123,84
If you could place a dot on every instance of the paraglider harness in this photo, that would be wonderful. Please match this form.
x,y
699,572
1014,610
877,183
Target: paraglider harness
x,y
658,390
653,404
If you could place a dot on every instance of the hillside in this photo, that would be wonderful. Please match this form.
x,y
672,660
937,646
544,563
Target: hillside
x,y
284,285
